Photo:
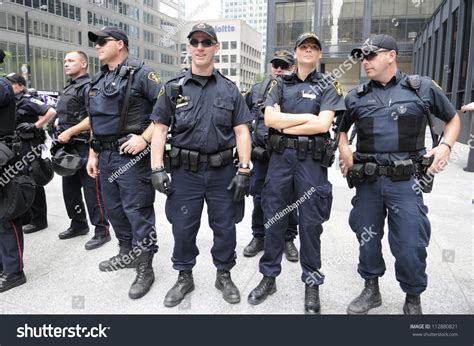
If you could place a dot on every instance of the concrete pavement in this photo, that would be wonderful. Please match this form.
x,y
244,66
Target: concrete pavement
x,y
63,278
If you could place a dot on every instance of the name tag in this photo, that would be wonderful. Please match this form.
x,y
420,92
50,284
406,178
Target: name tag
x,y
182,105
308,96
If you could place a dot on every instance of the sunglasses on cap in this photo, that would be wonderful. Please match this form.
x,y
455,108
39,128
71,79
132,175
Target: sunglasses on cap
x,y
372,55
102,41
280,64
205,43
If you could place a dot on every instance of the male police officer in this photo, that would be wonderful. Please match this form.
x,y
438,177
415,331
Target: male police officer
x,y
32,115
302,107
390,112
121,98
208,118
11,236
73,129
282,63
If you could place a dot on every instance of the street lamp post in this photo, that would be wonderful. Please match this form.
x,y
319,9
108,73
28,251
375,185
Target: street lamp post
x,y
27,47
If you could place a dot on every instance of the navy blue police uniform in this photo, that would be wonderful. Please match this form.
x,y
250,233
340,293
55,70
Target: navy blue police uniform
x,y
11,235
28,110
295,176
202,143
71,110
391,122
260,166
125,180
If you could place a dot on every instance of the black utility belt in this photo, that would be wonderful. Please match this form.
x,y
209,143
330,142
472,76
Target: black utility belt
x,y
399,170
260,154
102,143
314,145
190,160
36,134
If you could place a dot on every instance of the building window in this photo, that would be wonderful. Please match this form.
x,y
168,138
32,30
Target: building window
x,y
233,58
225,58
233,44
217,58
233,72
225,71
225,45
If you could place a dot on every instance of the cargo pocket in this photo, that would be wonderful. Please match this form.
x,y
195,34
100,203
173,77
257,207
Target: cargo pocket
x,y
323,197
223,110
183,116
353,214
424,227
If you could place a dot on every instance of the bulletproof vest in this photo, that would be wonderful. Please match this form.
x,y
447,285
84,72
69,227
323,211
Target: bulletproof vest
x,y
23,112
7,110
71,107
107,99
398,126
260,130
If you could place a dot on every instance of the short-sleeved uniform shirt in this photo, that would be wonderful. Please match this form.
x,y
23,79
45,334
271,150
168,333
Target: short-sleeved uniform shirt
x,y
7,108
317,93
106,99
205,114
391,119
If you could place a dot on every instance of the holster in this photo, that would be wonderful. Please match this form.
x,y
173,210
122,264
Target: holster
x,y
370,171
402,170
276,143
303,143
329,153
356,175
425,180
260,154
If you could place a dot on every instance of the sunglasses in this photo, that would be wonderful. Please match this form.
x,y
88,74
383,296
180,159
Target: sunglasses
x,y
205,43
101,41
372,55
280,64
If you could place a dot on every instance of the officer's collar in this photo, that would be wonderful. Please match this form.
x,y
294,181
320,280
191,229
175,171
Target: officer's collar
x,y
20,95
78,79
188,74
293,77
105,68
397,77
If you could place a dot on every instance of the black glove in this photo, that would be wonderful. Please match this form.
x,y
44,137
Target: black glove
x,y
241,183
26,127
161,181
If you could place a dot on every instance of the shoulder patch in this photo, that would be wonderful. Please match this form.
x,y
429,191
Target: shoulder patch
x,y
337,86
437,85
162,92
38,102
153,76
272,85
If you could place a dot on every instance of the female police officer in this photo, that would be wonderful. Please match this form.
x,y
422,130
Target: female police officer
x,y
301,107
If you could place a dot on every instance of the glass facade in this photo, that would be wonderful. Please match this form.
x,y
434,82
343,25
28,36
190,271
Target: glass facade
x,y
292,19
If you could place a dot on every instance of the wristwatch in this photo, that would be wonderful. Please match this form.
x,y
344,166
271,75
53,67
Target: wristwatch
x,y
244,165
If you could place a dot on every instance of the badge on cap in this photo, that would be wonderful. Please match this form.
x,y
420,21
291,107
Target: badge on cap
x,y
337,86
154,77
201,26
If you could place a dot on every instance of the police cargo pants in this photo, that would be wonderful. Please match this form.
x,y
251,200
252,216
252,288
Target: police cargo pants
x,y
408,230
290,184
11,246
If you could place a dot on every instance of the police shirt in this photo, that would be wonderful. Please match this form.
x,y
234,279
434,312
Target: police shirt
x,y
317,93
391,119
7,108
259,130
71,107
28,109
205,115
107,94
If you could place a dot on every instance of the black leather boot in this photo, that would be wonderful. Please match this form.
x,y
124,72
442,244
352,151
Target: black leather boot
x,y
291,252
97,241
311,299
254,247
368,299
9,281
265,288
224,283
412,305
183,286
124,259
145,276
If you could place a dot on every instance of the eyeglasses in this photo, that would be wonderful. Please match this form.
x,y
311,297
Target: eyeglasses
x,y
372,55
101,41
205,43
280,64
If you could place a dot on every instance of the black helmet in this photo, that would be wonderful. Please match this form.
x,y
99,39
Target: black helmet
x,y
42,171
66,161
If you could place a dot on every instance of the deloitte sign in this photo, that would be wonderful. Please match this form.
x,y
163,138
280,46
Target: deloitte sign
x,y
224,28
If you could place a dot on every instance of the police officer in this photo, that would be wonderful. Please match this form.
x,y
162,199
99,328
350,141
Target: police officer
x,y
11,236
208,118
282,63
121,99
73,129
390,115
299,110
32,116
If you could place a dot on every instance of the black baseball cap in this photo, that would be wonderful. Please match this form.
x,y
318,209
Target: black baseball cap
x,y
205,28
108,31
306,36
374,43
16,78
285,56
2,56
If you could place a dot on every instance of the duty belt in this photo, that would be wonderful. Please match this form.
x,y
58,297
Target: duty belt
x,y
190,159
315,145
101,143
